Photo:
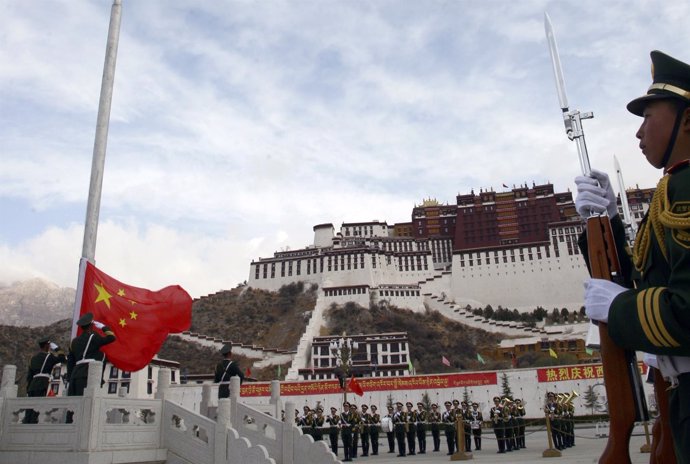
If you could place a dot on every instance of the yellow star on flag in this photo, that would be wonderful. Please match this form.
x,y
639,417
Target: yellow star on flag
x,y
121,292
133,315
103,295
122,322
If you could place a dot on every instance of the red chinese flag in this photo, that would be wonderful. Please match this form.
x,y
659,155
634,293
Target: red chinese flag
x,y
355,387
50,391
248,373
141,319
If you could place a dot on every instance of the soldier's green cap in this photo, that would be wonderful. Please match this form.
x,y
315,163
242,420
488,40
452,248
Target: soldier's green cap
x,y
670,79
373,406
227,348
43,341
85,320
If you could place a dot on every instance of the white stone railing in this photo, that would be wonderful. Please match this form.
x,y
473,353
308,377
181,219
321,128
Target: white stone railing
x,y
107,430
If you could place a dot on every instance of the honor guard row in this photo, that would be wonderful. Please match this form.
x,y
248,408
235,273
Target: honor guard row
x,y
507,419
560,410
402,424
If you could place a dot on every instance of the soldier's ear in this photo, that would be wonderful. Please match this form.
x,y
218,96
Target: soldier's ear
x,y
686,119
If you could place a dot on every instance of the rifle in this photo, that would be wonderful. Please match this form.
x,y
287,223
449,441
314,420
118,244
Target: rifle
x,y
621,375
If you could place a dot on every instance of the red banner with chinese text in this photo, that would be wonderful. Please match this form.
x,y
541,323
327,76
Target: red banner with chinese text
x,y
417,382
583,372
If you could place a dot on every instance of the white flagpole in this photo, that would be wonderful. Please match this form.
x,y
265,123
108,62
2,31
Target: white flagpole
x,y
98,161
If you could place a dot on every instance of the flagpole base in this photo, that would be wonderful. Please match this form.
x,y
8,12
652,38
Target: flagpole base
x,y
461,456
551,453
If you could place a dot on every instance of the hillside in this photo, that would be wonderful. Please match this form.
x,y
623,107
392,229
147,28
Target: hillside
x,y
35,303
431,335
258,317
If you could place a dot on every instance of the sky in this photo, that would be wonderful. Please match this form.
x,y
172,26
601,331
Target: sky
x,y
237,126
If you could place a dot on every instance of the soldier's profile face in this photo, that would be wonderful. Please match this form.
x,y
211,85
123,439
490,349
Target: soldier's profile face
x,y
655,131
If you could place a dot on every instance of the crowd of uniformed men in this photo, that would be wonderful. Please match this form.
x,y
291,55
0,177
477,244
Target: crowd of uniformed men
x,y
408,427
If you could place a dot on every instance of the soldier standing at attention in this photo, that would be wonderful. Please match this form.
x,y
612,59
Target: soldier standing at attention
x,y
375,421
496,416
476,421
434,418
421,427
448,419
366,420
411,428
652,315
224,370
346,431
84,349
334,421
390,435
465,411
553,411
39,373
356,422
318,424
520,418
400,423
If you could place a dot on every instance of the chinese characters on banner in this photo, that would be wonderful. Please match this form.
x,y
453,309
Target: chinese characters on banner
x,y
583,372
418,382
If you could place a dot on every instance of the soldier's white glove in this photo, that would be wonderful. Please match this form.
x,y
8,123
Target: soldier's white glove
x,y
595,194
599,293
99,325
53,346
650,360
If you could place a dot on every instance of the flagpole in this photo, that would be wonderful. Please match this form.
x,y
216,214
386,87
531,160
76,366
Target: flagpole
x,y
99,147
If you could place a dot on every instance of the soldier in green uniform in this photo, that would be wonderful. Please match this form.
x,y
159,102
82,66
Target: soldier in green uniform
x,y
85,348
434,420
520,418
465,411
389,428
356,421
224,370
448,419
553,412
365,427
653,315
496,416
476,420
333,421
400,424
346,421
421,427
39,373
411,430
374,423
318,424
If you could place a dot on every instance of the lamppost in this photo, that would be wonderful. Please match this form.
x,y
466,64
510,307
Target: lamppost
x,y
342,350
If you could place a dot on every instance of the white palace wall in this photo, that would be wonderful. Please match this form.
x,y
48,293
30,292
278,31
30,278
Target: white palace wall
x,y
525,281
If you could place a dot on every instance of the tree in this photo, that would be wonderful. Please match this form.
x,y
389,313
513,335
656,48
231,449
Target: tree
x,y
591,398
466,396
389,400
426,401
505,386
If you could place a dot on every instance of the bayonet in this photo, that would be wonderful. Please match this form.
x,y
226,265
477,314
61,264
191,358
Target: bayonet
x,y
631,227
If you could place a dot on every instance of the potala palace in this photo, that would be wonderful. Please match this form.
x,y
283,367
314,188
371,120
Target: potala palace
x,y
516,249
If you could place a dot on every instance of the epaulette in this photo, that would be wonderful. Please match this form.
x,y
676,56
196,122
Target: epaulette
x,y
678,166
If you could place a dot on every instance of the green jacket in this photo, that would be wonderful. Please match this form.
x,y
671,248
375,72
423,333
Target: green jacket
x,y
654,317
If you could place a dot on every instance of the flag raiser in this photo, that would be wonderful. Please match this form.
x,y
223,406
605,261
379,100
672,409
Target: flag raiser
x,y
141,319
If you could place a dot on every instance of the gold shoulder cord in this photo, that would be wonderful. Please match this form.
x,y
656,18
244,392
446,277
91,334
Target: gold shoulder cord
x,y
643,239
660,217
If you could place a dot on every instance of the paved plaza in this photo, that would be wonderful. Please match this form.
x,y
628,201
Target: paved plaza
x,y
587,449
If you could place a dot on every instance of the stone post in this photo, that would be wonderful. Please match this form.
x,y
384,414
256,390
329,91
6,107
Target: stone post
x,y
93,384
163,383
275,398
234,398
8,389
222,425
289,432
206,390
